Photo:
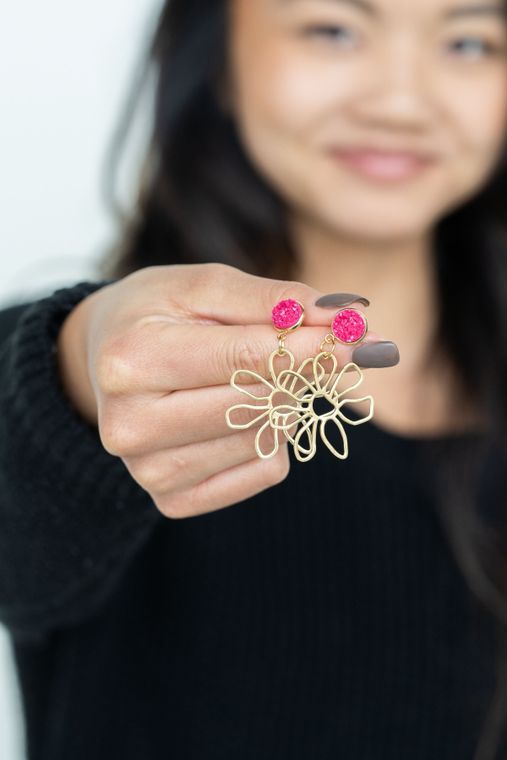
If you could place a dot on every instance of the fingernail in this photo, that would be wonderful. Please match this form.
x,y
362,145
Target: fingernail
x,y
340,299
383,353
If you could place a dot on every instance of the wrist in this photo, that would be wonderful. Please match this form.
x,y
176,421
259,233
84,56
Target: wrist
x,y
72,361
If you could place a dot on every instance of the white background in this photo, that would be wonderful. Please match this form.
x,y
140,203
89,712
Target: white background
x,y
64,74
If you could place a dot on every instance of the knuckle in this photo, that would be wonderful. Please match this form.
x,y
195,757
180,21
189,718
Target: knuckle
x,y
170,475
246,352
211,273
118,433
174,508
282,289
149,474
162,476
107,426
199,496
217,269
195,500
115,367
176,465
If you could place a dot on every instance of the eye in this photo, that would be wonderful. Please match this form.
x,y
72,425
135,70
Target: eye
x,y
341,35
474,47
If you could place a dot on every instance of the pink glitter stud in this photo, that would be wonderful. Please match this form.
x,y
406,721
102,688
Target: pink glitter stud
x,y
349,325
287,314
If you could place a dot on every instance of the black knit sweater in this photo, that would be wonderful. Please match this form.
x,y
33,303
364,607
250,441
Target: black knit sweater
x,y
323,619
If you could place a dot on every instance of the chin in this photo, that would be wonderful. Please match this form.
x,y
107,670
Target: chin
x,y
372,224
404,209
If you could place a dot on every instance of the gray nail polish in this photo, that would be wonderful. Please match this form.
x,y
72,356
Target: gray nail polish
x,y
382,353
340,299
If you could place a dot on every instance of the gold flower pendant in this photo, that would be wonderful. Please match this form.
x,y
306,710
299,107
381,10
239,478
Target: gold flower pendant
x,y
298,410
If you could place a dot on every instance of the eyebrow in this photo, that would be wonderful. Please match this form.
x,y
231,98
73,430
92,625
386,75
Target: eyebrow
x,y
477,9
363,5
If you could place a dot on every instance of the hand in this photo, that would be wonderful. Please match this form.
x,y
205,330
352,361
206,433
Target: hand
x,y
148,359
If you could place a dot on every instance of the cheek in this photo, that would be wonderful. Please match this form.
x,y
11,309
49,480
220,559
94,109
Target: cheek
x,y
278,95
281,96
480,118
285,113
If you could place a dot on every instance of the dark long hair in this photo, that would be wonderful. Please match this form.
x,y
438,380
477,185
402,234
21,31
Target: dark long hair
x,y
200,199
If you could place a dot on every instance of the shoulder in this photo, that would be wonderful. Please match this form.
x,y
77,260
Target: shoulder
x,y
9,316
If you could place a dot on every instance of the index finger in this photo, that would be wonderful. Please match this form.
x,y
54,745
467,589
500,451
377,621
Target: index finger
x,y
222,293
164,356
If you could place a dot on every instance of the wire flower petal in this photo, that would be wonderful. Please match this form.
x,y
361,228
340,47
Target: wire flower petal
x,y
283,411
333,389
284,384
315,374
323,386
258,443
340,454
244,425
273,372
255,376
309,428
343,416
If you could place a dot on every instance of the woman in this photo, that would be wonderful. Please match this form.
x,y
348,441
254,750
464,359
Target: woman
x,y
349,608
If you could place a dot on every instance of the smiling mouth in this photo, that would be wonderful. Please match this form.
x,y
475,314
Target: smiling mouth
x,y
382,165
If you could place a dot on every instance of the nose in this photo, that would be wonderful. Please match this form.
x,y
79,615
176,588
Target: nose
x,y
397,91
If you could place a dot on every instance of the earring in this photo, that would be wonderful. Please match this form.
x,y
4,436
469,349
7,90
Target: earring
x,y
286,316
348,326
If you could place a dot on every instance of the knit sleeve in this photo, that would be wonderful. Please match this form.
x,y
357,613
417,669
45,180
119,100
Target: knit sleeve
x,y
71,515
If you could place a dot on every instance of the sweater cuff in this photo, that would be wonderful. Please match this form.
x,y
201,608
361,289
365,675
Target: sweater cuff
x,y
80,511
45,416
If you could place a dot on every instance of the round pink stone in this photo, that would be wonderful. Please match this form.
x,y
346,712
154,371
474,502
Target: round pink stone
x,y
349,325
286,313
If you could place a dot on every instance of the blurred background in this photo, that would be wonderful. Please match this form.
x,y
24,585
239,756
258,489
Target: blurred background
x,y
65,70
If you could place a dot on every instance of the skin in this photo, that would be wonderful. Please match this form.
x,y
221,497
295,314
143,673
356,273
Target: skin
x,y
138,358
405,75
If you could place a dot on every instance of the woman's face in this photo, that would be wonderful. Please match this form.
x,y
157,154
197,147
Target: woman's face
x,y
310,77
